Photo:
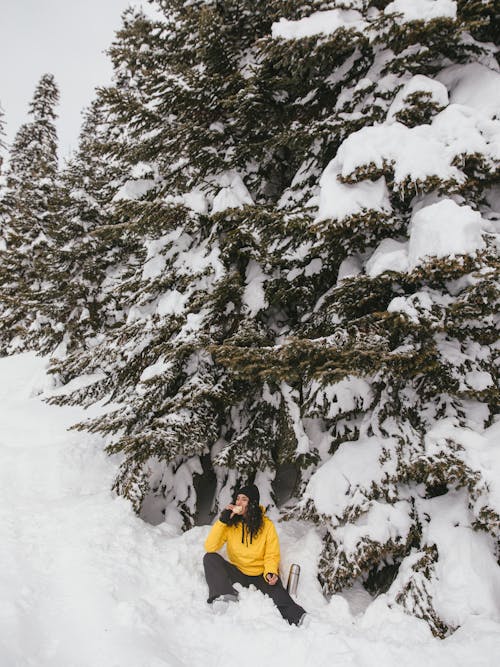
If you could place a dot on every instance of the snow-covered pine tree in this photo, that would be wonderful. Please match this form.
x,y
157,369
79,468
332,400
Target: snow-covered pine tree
x,y
3,209
399,361
185,149
2,135
177,397
31,199
88,241
311,277
3,204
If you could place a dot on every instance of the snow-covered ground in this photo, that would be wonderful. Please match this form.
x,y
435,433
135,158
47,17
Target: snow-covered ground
x,y
85,583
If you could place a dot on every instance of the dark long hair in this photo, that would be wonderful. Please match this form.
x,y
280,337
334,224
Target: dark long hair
x,y
254,519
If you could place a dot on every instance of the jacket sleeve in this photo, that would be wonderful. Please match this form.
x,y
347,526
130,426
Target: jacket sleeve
x,y
272,552
216,537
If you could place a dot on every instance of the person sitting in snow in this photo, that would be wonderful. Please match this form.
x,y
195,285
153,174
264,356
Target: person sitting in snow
x,y
254,551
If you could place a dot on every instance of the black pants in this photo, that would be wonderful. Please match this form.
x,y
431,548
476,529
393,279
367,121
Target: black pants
x,y
221,576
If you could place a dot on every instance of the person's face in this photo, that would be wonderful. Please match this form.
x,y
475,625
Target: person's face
x,y
242,501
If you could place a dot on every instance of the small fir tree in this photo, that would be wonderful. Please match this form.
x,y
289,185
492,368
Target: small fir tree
x,y
3,207
2,135
86,243
32,198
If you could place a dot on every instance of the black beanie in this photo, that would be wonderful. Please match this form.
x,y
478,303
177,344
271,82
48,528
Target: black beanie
x,y
251,492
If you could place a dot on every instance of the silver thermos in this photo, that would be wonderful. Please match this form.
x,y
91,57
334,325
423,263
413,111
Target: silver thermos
x,y
293,578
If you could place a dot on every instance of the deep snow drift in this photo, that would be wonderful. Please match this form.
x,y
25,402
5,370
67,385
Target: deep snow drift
x,y
85,583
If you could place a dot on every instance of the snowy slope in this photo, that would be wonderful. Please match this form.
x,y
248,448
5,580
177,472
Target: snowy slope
x,y
85,583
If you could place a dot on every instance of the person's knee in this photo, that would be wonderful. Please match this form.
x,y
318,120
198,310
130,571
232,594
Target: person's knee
x,y
210,557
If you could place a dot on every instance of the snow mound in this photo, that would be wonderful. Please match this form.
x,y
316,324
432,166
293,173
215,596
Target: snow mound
x,y
351,266
134,189
445,229
423,10
437,92
353,465
415,153
473,85
86,583
254,297
319,23
233,193
339,200
390,255
412,155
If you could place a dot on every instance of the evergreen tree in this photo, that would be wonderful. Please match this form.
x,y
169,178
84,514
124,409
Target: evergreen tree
x,y
86,242
364,329
267,293
3,208
2,135
32,200
187,411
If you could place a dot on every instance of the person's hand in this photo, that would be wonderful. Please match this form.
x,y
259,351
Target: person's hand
x,y
271,578
235,509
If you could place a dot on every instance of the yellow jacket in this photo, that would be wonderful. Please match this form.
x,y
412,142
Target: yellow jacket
x,y
260,555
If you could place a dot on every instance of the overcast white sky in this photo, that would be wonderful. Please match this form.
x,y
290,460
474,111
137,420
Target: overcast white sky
x,y
64,37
